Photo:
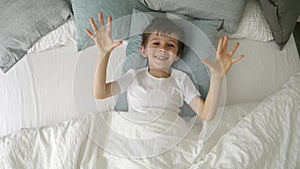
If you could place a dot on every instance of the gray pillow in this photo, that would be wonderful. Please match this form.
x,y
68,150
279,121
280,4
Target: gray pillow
x,y
282,17
23,22
200,42
230,11
120,10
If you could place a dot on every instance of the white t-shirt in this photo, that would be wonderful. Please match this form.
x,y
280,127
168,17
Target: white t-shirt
x,y
146,91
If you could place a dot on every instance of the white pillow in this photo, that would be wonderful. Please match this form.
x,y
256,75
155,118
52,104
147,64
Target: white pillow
x,y
61,36
253,24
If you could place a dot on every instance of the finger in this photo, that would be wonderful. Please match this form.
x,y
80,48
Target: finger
x,y
94,26
101,21
109,25
236,45
89,32
220,45
237,58
225,43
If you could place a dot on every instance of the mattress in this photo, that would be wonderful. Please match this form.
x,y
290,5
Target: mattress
x,y
54,85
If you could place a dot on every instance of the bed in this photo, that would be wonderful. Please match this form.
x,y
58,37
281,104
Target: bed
x,y
50,119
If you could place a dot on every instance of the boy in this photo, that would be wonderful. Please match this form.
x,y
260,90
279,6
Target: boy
x,y
161,46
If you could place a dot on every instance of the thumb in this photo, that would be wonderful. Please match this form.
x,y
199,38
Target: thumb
x,y
205,61
118,43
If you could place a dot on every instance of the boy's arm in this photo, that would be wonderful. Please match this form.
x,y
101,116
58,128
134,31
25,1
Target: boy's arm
x,y
101,88
206,110
105,46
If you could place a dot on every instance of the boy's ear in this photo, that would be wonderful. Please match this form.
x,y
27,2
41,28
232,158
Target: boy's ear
x,y
143,51
178,56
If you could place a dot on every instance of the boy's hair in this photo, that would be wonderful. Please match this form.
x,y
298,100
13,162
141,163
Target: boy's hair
x,y
165,27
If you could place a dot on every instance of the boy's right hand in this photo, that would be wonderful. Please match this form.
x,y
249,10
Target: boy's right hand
x,y
102,36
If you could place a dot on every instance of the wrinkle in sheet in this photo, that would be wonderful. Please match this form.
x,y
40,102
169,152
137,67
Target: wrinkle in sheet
x,y
32,88
266,135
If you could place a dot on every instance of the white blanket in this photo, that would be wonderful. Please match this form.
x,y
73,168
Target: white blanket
x,y
269,137
265,137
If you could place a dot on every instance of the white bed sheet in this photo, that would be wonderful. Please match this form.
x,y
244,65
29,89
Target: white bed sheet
x,y
267,135
67,145
263,70
38,90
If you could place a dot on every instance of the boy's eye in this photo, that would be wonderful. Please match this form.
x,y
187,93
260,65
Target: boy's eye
x,y
170,45
155,43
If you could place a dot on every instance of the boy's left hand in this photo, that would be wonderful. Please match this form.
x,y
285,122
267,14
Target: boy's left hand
x,y
223,61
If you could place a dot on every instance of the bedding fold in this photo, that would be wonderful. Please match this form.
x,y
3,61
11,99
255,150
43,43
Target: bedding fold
x,y
265,137
268,137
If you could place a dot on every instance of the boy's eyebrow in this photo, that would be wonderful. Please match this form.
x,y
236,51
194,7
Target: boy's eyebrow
x,y
175,41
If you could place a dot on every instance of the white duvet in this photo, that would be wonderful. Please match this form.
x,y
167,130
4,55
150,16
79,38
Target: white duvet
x,y
261,136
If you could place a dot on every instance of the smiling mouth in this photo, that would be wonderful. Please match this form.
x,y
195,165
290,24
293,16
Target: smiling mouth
x,y
161,58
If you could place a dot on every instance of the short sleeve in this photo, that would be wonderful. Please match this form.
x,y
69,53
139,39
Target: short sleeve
x,y
188,89
125,80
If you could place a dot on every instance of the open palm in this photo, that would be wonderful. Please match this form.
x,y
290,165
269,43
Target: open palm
x,y
102,36
223,61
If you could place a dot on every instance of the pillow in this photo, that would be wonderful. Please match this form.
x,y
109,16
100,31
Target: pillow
x,y
22,23
282,16
61,36
118,9
230,11
200,43
253,24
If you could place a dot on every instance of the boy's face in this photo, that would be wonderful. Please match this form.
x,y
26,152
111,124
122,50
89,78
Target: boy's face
x,y
161,51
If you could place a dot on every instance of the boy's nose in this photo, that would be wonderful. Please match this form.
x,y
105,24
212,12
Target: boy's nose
x,y
162,50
